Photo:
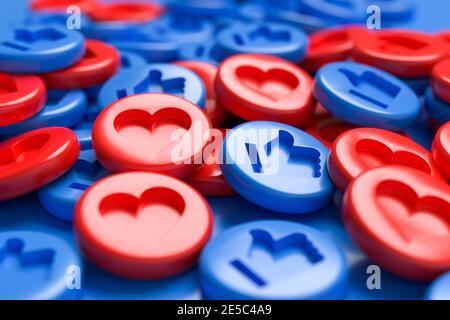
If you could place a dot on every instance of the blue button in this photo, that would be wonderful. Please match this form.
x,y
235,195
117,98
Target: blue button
x,y
35,265
366,96
437,108
60,197
348,11
276,39
160,78
271,259
206,52
38,49
394,10
202,8
439,288
110,30
63,109
277,166
61,19
160,40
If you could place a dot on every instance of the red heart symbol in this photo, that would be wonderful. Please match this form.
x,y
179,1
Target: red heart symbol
x,y
409,214
375,154
7,84
23,150
275,84
152,131
153,214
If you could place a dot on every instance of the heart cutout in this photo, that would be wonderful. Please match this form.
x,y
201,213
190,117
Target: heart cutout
x,y
153,132
428,214
275,84
23,150
7,84
375,154
153,215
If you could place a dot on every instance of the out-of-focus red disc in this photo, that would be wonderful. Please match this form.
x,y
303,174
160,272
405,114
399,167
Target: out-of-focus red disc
x,y
401,218
126,12
440,80
441,149
361,149
142,225
62,5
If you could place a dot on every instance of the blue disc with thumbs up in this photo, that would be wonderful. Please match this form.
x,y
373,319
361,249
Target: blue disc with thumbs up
x,y
366,96
277,166
158,77
276,39
39,48
38,266
63,109
60,197
439,289
271,259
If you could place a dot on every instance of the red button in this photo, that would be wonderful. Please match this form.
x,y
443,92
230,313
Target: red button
x,y
327,45
151,132
209,179
361,149
261,87
142,225
21,97
441,149
207,72
326,128
100,62
126,12
446,37
440,80
62,5
401,218
34,159
403,53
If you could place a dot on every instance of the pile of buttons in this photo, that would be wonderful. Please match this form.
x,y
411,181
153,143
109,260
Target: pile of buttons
x,y
223,149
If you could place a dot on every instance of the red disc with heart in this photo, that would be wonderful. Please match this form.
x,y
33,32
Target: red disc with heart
x,y
406,54
400,217
361,149
446,37
207,72
262,87
151,132
326,128
440,80
142,225
327,45
100,62
441,149
34,159
62,5
21,97
126,12
209,180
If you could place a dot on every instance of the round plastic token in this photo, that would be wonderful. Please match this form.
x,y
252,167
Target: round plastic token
x,y
207,72
126,12
209,180
39,49
260,87
272,259
395,10
399,217
404,53
439,288
154,78
100,62
62,5
21,97
349,11
33,159
438,109
278,39
441,149
63,109
151,132
142,225
440,80
327,45
277,166
366,96
37,266
361,149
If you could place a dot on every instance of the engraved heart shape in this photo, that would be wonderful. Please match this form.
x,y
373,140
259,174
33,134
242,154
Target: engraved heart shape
x,y
23,150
